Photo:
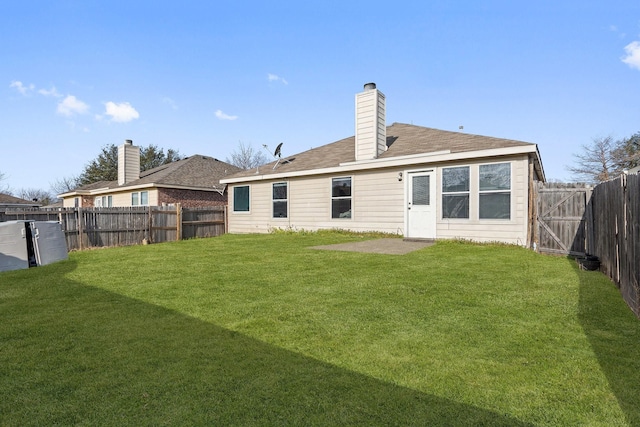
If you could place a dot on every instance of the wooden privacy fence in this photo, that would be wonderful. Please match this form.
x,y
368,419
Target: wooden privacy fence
x,y
99,227
574,219
563,220
616,234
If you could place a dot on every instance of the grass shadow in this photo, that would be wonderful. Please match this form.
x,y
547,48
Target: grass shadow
x,y
614,334
83,355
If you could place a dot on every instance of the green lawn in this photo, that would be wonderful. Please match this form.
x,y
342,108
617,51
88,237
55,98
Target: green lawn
x,y
263,330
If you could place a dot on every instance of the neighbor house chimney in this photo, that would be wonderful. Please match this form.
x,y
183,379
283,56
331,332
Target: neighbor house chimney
x,y
128,162
371,127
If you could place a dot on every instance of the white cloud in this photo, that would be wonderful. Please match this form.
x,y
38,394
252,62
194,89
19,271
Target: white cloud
x,y
122,112
71,105
170,102
632,59
51,92
276,78
223,116
21,87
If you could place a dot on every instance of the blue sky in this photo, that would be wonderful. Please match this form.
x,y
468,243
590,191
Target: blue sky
x,y
201,77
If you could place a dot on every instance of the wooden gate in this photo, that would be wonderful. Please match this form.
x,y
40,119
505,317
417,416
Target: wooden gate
x,y
563,221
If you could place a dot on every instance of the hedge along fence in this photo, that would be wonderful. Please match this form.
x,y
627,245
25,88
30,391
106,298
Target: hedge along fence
x,y
615,206
100,227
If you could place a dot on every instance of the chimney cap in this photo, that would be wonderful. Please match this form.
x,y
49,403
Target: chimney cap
x,y
128,141
369,86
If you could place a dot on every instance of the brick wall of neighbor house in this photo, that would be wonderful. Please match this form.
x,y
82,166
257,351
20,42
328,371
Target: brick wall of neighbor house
x,y
191,198
87,201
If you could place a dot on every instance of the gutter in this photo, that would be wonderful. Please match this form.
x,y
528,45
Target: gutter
x,y
436,157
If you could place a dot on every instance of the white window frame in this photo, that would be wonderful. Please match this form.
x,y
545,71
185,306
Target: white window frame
x,y
138,196
339,198
456,193
498,191
103,201
284,200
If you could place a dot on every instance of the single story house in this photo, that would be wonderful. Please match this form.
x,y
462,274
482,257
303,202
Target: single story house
x,y
409,180
192,182
9,201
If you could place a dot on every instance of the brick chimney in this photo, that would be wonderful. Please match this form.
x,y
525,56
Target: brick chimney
x,y
371,127
128,162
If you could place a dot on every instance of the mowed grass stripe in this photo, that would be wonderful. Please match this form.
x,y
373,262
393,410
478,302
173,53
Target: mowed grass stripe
x,y
489,334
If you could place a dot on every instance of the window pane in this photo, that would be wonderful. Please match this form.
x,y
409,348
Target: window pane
x,y
144,198
241,199
280,191
495,177
341,187
341,208
455,206
109,201
455,179
279,209
495,206
134,199
420,190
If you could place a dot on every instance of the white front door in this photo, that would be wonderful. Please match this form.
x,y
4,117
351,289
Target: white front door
x,y
421,205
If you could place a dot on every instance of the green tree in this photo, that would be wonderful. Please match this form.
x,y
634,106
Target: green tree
x,y
105,166
626,153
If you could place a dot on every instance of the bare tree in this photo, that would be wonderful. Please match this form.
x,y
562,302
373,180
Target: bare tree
x,y
246,157
595,163
65,184
4,188
36,195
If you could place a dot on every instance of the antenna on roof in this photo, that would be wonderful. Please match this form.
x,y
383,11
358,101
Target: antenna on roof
x,y
277,153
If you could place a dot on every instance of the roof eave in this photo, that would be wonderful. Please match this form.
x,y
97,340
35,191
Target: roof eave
x,y
107,190
435,157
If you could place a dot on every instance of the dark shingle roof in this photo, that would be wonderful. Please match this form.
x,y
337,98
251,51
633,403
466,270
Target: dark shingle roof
x,y
6,199
402,140
196,172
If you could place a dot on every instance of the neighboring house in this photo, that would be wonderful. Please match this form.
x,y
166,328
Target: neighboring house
x,y
403,179
7,201
192,182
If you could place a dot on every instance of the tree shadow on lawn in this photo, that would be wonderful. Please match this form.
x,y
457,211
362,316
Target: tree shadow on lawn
x,y
614,334
93,357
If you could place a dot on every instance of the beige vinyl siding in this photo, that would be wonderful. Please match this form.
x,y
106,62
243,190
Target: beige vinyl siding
x,y
371,131
257,219
379,204
376,203
122,199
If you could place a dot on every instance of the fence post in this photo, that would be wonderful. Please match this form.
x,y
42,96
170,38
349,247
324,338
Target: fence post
x,y
150,226
80,228
178,221
225,218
